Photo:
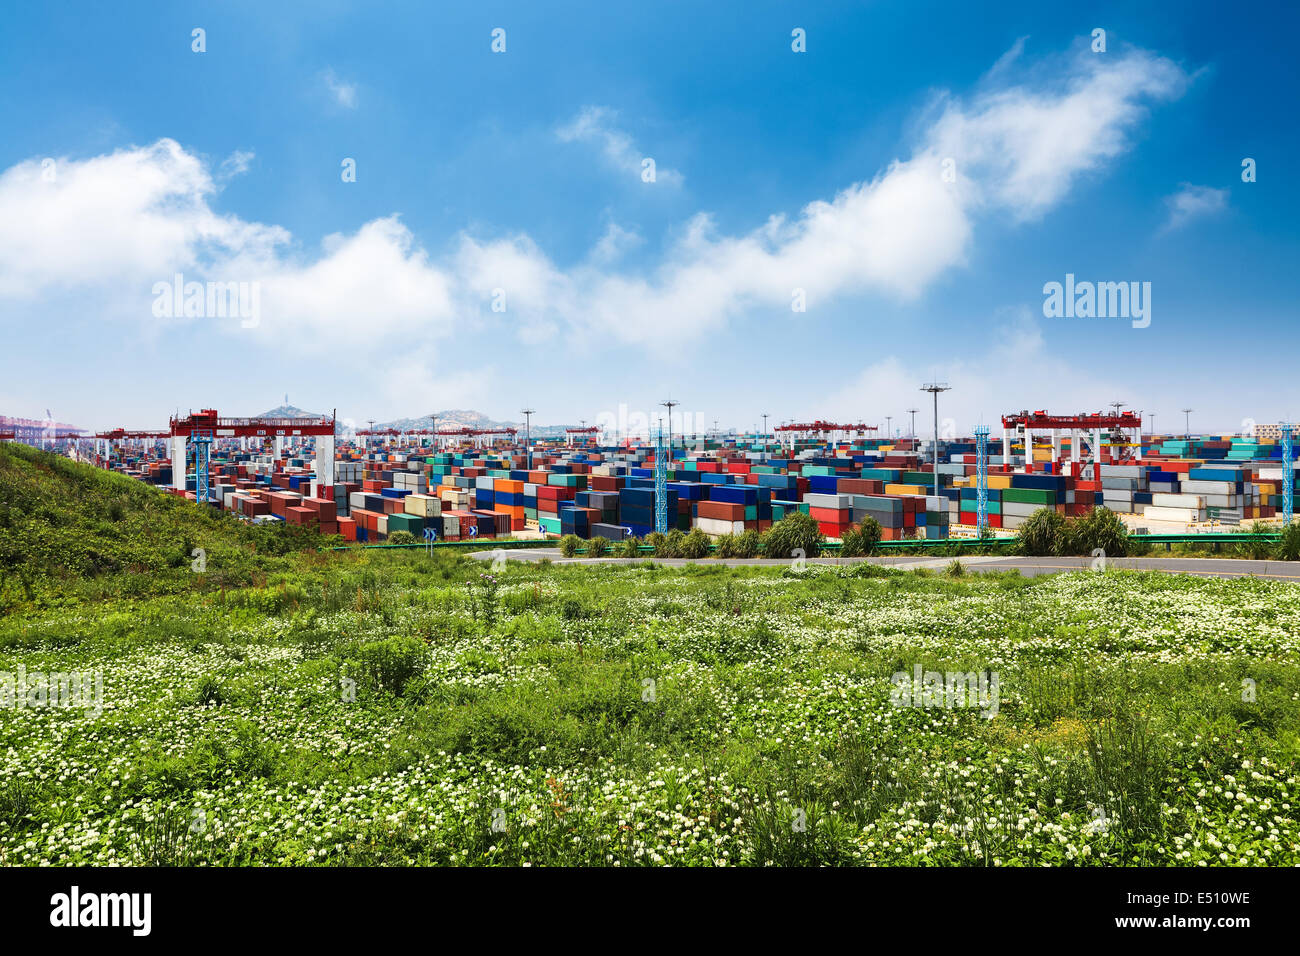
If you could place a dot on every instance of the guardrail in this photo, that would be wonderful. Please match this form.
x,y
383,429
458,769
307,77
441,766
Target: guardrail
x,y
833,547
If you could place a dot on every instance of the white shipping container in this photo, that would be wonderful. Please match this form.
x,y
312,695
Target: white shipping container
x,y
716,526
1172,514
425,506
1195,502
1201,486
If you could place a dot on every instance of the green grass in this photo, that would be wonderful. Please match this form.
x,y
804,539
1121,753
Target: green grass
x,y
71,533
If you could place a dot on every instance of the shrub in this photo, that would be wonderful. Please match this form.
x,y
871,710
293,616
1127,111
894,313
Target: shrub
x,y
1288,546
748,544
669,545
389,664
1099,529
597,547
794,531
955,569
725,546
1257,550
1042,534
695,545
630,547
401,537
860,540
569,545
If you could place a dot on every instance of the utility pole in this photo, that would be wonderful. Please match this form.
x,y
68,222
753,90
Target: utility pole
x,y
670,405
934,388
912,412
528,433
1187,422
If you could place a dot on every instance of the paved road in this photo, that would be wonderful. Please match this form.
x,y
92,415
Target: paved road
x,y
1030,567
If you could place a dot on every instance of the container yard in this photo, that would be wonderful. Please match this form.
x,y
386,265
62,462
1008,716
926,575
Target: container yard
x,y
459,485
595,436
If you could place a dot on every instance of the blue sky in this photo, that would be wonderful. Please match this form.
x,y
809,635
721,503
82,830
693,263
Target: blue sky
x,y
128,157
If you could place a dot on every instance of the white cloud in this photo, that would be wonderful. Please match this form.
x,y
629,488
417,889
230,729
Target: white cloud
x,y
345,94
124,221
132,216
595,124
1193,202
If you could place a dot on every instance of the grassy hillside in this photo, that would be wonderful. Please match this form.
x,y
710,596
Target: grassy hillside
x,y
72,532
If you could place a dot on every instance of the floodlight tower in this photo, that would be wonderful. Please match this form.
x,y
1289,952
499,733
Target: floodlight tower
x,y
670,405
528,433
1288,475
765,428
889,432
912,412
1187,422
934,388
661,483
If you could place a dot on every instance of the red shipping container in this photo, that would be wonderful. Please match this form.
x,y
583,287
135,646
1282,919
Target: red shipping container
x,y
721,510
300,516
324,510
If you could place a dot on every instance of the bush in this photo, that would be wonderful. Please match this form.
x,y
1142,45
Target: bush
x,y
725,546
389,664
1288,546
401,537
1100,529
695,545
569,545
1257,550
860,540
630,547
794,531
597,547
669,545
1043,534
748,544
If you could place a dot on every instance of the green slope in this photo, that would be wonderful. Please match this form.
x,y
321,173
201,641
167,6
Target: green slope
x,y
71,532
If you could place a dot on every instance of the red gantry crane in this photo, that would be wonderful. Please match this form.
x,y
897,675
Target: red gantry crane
x,y
1028,423
821,429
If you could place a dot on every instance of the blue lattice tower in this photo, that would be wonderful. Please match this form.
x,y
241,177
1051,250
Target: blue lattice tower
x,y
201,439
981,479
1288,474
661,484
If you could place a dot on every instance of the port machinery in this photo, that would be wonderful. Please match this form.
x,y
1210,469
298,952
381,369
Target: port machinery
x,y
588,430
1026,424
205,427
478,436
791,431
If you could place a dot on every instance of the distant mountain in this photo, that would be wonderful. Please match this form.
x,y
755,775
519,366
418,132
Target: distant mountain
x,y
448,420
453,418
290,411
